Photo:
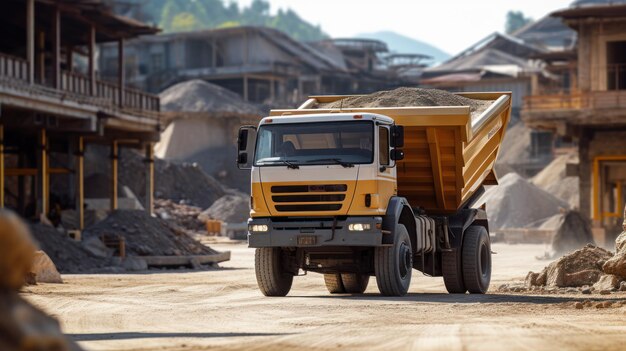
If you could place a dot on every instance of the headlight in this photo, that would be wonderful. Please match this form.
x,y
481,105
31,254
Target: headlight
x,y
359,227
258,228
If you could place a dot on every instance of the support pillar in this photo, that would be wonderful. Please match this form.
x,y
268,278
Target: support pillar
x,y
149,205
30,39
1,166
91,48
80,182
121,79
245,88
43,172
56,48
114,159
272,89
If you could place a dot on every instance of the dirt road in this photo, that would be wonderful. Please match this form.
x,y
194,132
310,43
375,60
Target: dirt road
x,y
222,309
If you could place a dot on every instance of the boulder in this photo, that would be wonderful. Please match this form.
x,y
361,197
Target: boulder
x,y
578,268
616,265
607,282
134,263
96,247
535,279
17,250
44,270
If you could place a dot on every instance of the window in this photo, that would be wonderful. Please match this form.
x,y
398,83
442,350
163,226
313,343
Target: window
x,y
383,145
616,65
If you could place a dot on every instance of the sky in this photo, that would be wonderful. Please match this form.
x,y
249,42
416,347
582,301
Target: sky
x,y
451,25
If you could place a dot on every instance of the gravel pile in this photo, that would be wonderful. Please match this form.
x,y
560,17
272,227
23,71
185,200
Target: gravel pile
x,y
406,97
515,203
229,209
184,216
574,232
553,179
148,236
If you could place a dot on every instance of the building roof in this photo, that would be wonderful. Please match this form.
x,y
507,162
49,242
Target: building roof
x,y
549,33
479,60
597,11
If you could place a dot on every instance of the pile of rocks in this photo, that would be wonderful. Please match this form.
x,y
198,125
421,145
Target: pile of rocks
x,y
180,214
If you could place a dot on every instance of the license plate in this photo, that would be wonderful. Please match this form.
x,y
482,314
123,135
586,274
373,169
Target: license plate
x,y
307,240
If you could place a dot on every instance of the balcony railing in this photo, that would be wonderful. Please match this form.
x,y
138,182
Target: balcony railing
x,y
13,67
78,87
592,100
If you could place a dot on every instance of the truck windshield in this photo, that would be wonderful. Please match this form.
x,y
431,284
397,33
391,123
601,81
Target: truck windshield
x,y
320,143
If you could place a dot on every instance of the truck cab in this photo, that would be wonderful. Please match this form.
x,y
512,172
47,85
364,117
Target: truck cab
x,y
325,199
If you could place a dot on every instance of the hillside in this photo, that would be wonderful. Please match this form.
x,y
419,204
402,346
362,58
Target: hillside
x,y
403,44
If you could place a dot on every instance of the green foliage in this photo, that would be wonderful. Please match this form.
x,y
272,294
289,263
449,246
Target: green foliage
x,y
187,15
515,20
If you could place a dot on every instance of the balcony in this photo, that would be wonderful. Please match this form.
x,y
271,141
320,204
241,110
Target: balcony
x,y
612,99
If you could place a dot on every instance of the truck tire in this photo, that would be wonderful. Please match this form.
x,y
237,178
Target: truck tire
x,y
394,264
476,259
272,279
355,283
452,272
333,283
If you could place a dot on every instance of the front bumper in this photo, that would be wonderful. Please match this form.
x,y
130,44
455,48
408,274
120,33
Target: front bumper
x,y
311,232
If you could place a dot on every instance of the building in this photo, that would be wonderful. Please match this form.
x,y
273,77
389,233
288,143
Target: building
x,y
53,104
586,102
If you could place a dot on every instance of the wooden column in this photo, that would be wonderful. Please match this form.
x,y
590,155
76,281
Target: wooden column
x,y
149,205
91,48
56,48
1,166
121,79
80,182
114,159
245,87
30,39
43,171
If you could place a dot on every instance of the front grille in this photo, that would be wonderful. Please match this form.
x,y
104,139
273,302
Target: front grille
x,y
301,198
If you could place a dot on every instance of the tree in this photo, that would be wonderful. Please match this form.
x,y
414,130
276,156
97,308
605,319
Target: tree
x,y
515,20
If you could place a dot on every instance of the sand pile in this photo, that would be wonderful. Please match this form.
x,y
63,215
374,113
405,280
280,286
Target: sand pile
x,y
515,148
553,179
516,203
407,97
199,96
574,231
22,326
184,216
148,236
68,255
229,209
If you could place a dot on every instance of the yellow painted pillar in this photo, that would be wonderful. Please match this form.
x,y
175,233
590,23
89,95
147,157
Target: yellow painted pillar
x,y
43,171
80,182
150,178
114,159
1,166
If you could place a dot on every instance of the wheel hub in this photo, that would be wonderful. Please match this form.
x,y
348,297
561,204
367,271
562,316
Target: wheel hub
x,y
404,260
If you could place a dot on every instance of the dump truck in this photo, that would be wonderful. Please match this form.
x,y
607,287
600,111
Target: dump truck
x,y
358,192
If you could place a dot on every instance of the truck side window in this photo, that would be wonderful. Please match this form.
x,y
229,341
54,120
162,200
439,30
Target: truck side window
x,y
383,146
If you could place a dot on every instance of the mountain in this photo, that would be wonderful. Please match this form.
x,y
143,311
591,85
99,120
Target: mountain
x,y
399,43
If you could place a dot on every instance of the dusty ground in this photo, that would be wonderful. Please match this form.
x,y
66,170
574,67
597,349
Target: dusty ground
x,y
223,310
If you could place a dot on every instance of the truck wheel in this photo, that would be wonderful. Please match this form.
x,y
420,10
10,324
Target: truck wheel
x,y
333,283
355,283
272,279
476,260
394,264
452,272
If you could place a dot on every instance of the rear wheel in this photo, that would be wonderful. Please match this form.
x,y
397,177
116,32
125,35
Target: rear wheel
x,y
394,264
452,272
476,259
355,283
333,283
272,278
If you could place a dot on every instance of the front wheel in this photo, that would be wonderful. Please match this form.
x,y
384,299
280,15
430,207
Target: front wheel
x,y
394,264
476,260
271,277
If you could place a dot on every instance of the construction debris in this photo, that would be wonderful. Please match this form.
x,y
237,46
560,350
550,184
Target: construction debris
x,y
574,231
409,97
515,203
184,216
23,327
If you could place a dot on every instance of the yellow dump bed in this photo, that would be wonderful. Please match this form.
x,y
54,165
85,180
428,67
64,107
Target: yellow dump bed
x,y
449,153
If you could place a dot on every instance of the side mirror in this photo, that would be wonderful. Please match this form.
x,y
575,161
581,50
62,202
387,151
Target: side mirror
x,y
397,136
397,154
246,143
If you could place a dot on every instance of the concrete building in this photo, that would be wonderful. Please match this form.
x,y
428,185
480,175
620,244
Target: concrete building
x,y
53,104
588,105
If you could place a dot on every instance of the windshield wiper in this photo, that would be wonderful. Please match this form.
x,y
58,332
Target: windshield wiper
x,y
336,160
289,164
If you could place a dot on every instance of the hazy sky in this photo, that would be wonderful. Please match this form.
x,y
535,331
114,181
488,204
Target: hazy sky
x,y
451,25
